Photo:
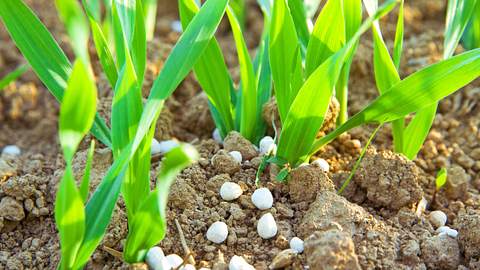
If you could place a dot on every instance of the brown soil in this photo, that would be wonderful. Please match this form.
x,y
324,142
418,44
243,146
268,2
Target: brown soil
x,y
373,225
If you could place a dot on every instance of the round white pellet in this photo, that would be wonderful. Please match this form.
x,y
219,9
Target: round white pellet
x,y
156,259
217,232
267,144
296,244
322,164
448,231
163,147
237,156
216,136
174,261
267,227
188,267
176,26
239,263
438,218
262,198
11,150
230,191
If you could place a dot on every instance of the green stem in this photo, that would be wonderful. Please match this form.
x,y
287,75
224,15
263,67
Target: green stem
x,y
342,97
359,160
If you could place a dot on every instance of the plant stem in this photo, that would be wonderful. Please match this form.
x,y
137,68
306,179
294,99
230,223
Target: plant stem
x,y
342,97
359,160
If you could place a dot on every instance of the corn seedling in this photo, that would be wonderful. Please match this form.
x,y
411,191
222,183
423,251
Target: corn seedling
x,y
12,76
408,139
471,38
132,122
234,109
441,179
303,103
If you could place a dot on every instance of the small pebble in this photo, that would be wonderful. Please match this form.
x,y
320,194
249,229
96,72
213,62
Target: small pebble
x,y
262,198
322,164
296,244
230,191
11,150
188,267
217,232
267,227
267,145
445,230
237,156
216,136
174,261
283,259
239,263
156,259
163,147
176,26
438,218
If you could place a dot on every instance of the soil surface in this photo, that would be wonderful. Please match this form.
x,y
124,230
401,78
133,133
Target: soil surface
x,y
379,222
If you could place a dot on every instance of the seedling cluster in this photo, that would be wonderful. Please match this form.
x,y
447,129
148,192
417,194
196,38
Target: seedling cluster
x,y
301,63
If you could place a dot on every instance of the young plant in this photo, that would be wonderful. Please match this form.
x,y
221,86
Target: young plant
x,y
234,109
132,122
408,139
440,181
12,76
304,110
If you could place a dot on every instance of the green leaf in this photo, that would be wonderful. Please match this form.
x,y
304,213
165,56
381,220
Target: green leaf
x,y
104,54
459,13
299,15
417,131
150,14
263,73
416,92
13,76
126,107
285,58
43,54
471,37
328,36
399,33
139,43
85,184
240,10
93,8
352,10
308,110
77,27
212,74
70,219
78,109
150,221
248,97
441,179
282,175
